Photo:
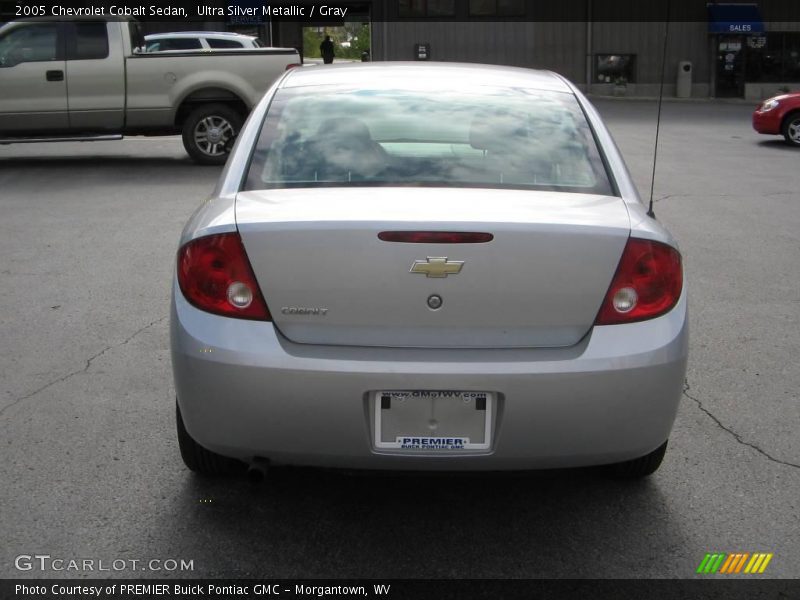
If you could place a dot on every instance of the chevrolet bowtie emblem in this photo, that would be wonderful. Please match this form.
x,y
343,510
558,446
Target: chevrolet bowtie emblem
x,y
437,266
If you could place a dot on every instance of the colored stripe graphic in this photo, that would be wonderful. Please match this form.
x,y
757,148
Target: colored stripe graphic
x,y
718,562
728,564
766,562
711,563
734,561
754,563
759,563
703,563
724,563
741,562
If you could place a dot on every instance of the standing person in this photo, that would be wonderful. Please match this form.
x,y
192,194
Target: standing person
x,y
326,49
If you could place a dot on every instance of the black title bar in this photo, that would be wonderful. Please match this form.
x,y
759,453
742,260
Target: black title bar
x,y
314,11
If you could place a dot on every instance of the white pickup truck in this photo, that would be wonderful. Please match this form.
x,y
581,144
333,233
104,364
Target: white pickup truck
x,y
87,79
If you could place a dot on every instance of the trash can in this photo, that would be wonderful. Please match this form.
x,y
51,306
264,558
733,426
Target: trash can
x,y
684,87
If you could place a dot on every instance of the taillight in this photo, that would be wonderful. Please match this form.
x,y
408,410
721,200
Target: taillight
x,y
214,275
292,66
647,283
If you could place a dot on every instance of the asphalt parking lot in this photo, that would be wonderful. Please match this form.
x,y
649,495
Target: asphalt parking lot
x,y
90,464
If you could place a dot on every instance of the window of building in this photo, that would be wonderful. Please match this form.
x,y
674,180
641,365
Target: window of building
x,y
773,57
791,57
426,8
615,68
496,8
90,41
221,44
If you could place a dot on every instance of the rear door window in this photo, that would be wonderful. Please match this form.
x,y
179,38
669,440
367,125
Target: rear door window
x,y
87,41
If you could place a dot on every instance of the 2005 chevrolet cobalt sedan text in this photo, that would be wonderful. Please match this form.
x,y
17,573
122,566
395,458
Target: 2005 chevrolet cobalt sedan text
x,y
429,266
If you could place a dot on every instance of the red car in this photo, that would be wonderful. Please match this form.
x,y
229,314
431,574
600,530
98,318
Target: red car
x,y
780,115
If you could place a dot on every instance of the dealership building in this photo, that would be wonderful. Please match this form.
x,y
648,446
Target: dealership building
x,y
725,50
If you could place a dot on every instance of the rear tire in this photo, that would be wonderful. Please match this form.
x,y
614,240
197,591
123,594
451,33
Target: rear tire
x,y
638,467
200,460
207,132
791,128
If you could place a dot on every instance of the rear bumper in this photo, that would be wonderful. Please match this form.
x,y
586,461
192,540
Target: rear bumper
x,y
767,122
246,391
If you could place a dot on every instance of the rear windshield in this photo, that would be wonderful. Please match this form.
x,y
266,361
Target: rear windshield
x,y
482,137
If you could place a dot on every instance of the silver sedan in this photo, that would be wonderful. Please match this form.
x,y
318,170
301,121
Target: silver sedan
x,y
426,267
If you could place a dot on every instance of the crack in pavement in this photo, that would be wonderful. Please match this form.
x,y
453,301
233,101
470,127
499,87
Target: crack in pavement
x,y
736,436
791,193
91,359
766,194
668,196
85,368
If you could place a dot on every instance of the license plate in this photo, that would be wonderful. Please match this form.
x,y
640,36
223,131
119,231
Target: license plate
x,y
433,420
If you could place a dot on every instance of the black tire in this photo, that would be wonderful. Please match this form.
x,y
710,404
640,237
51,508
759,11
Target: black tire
x,y
207,131
200,460
791,128
638,467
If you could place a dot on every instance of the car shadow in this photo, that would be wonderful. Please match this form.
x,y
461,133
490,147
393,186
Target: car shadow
x,y
777,144
306,523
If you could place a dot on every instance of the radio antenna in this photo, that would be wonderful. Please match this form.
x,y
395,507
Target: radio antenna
x,y
650,212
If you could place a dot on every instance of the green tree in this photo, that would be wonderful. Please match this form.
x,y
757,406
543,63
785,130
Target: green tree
x,y
312,38
349,41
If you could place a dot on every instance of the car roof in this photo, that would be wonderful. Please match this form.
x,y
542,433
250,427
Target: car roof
x,y
384,74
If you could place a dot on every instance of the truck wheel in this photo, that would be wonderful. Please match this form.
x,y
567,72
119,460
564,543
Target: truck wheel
x,y
200,460
791,128
206,131
638,467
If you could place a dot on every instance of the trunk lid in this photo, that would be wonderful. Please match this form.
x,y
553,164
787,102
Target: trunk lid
x,y
328,279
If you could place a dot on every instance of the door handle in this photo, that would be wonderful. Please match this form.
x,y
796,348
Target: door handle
x,y
55,75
